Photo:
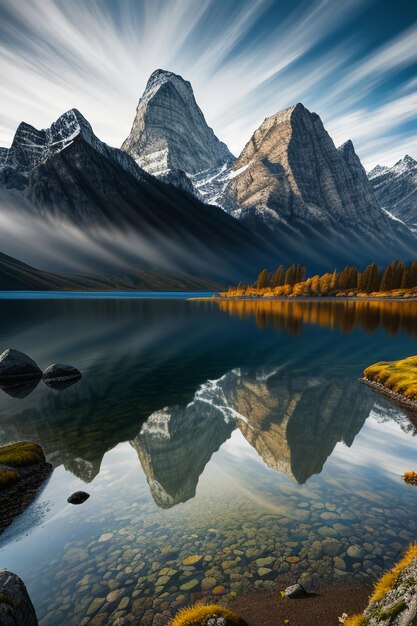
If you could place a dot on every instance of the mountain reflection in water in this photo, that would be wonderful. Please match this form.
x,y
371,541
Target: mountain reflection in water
x,y
294,426
177,378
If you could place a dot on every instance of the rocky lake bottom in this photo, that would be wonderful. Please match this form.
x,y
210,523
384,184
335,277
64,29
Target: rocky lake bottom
x,y
260,471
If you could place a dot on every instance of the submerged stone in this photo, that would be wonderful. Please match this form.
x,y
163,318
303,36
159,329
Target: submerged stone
x,y
78,497
192,560
190,584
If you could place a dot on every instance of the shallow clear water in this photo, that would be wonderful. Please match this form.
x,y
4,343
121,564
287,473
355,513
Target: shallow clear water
x,y
236,434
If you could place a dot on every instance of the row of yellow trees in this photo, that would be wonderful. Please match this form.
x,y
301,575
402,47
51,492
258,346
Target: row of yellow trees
x,y
292,281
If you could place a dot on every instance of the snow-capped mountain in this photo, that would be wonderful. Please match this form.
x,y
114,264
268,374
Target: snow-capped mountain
x,y
396,189
170,134
192,206
289,175
32,147
66,174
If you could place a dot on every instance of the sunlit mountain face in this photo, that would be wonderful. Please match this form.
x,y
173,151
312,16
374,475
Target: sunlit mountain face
x,y
208,179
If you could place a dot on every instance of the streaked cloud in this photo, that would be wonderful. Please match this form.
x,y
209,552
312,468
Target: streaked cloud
x,y
246,60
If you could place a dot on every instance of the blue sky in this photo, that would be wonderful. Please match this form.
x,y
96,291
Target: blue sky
x,y
354,62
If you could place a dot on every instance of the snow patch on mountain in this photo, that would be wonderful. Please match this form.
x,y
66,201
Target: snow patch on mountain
x,y
396,189
32,147
170,134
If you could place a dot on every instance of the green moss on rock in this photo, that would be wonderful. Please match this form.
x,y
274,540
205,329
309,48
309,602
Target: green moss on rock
x,y
389,614
21,454
8,476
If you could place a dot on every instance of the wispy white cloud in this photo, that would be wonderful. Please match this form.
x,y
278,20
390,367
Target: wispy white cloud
x,y
97,55
373,130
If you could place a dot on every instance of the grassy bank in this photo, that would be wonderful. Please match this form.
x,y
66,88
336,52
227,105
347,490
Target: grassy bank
x,y
399,377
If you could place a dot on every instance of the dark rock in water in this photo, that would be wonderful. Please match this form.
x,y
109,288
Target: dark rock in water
x,y
15,364
59,373
16,608
78,497
295,591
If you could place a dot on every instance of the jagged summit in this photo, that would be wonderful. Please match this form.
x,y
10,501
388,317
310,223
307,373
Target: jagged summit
x,y
170,133
31,146
290,172
160,77
408,160
347,148
403,165
396,189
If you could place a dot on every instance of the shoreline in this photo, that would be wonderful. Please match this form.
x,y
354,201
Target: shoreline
x,y
301,299
393,395
268,608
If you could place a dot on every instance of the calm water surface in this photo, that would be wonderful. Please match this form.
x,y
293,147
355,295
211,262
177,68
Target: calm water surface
x,y
225,446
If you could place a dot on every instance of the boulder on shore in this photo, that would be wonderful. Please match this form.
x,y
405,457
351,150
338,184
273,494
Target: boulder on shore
x,y
16,608
15,365
296,591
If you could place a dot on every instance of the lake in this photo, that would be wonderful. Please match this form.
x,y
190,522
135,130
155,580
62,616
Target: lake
x,y
227,446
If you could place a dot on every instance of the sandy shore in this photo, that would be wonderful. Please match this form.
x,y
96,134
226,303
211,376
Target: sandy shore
x,y
268,608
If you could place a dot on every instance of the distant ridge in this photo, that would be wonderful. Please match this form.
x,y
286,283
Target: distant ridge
x,y
396,189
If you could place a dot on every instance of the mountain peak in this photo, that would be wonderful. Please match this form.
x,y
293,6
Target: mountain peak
x,y
291,172
405,164
161,75
158,79
347,147
31,146
169,132
396,189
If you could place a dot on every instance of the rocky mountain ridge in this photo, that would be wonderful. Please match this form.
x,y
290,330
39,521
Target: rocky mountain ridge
x,y
65,174
290,171
396,189
32,147
290,189
289,179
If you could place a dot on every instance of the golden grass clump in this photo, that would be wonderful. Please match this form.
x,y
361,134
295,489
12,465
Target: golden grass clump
x,y
354,620
398,376
410,478
8,476
384,585
388,580
199,614
21,453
